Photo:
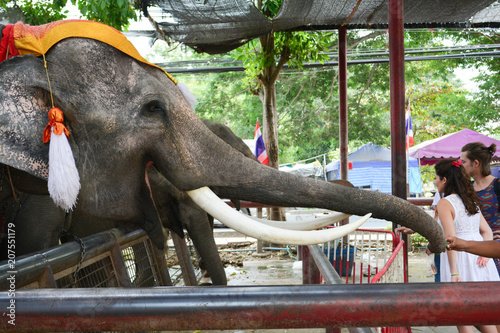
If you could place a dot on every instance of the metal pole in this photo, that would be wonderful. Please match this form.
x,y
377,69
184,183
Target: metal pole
x,y
119,266
251,307
310,271
344,148
330,276
397,96
187,268
343,119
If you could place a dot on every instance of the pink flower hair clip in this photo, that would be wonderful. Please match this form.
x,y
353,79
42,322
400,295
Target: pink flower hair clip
x,y
457,163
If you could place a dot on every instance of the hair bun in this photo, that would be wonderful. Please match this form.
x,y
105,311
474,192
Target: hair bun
x,y
492,148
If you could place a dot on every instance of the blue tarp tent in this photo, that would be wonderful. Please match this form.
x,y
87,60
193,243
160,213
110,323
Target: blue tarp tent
x,y
371,169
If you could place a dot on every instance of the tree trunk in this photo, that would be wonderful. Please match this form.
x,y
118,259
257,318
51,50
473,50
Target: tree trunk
x,y
270,113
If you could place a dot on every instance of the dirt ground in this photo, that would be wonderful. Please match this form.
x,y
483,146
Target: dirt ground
x,y
236,253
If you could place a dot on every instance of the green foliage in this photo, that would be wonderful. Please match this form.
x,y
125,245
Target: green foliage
x,y
35,12
427,173
271,7
307,99
116,13
417,240
298,47
308,115
353,145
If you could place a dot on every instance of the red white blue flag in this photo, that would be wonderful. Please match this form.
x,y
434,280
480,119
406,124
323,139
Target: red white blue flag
x,y
409,129
260,149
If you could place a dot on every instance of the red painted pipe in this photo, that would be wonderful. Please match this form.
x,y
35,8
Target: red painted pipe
x,y
251,307
397,97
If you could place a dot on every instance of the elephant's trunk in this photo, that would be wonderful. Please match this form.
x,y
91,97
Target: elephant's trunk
x,y
269,186
202,159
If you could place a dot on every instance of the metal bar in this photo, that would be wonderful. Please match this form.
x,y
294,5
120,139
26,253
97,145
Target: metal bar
x,y
58,258
223,69
330,276
47,279
187,268
252,307
151,257
420,201
161,263
343,124
397,98
119,266
310,271
260,243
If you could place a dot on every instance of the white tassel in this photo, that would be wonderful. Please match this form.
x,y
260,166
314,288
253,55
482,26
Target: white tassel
x,y
187,95
64,181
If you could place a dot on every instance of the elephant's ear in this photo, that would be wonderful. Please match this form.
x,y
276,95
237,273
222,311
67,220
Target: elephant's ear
x,y
24,103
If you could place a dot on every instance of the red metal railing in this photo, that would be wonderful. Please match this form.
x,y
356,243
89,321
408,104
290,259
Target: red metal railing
x,y
395,253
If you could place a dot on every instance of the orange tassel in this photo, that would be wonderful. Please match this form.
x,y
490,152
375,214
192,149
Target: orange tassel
x,y
63,182
56,118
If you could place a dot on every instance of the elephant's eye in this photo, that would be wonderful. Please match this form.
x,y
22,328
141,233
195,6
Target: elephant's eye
x,y
154,107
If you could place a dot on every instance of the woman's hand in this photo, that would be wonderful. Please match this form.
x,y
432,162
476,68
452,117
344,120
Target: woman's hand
x,y
456,278
496,234
405,230
482,261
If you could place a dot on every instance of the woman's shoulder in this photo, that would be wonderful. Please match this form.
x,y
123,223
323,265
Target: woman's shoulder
x,y
451,197
453,200
449,200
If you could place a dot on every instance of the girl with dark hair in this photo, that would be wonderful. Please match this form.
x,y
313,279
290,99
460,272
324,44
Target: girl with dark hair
x,y
460,216
476,159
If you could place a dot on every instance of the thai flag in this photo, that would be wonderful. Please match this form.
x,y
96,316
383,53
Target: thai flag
x,y
409,129
260,149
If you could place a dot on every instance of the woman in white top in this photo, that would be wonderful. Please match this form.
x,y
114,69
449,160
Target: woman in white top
x,y
460,216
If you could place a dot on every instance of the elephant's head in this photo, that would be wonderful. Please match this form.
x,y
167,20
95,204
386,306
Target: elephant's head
x,y
123,115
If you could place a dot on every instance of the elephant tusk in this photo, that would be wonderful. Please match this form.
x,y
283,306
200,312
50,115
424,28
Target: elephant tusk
x,y
213,205
310,224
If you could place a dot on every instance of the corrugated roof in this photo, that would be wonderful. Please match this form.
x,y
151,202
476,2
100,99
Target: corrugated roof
x,y
218,26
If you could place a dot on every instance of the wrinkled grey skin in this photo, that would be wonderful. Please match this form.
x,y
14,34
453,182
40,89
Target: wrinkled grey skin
x,y
122,114
177,211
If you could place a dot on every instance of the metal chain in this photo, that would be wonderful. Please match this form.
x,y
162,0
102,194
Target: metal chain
x,y
82,255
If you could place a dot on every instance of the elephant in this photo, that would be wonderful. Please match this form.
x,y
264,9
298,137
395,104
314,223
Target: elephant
x,y
124,115
176,211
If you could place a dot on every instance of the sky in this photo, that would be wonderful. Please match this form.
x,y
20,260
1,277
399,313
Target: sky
x,y
140,43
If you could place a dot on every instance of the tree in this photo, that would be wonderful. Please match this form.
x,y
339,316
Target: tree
x,y
264,59
116,13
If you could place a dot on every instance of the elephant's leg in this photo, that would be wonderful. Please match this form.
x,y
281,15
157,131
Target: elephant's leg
x,y
200,230
39,222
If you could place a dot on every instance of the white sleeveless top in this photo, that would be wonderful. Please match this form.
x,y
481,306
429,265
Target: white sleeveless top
x,y
466,227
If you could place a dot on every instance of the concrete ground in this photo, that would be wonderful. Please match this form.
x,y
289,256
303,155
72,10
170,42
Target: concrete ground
x,y
283,270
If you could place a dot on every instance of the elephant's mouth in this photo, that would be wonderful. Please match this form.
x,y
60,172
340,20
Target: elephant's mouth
x,y
213,205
